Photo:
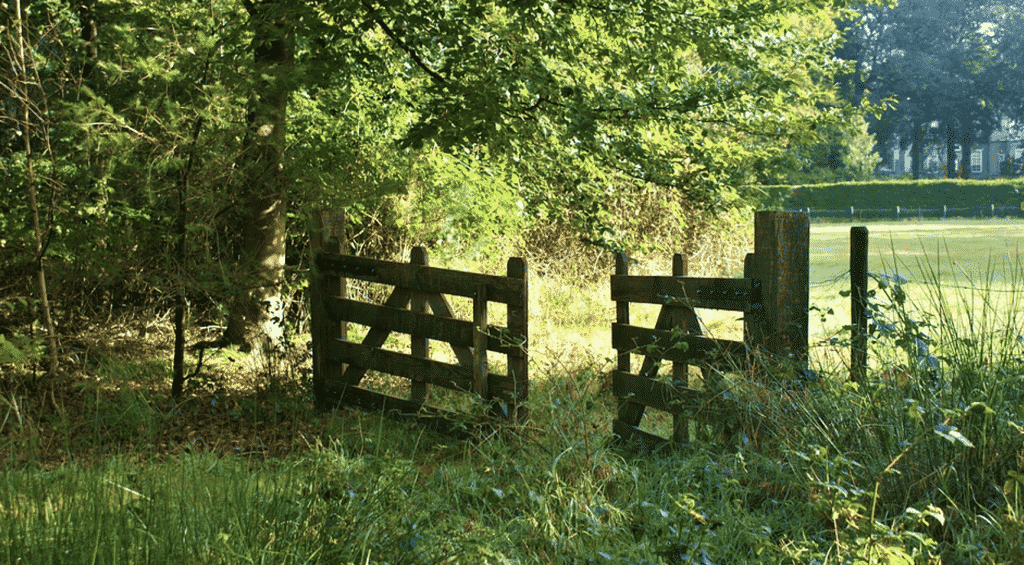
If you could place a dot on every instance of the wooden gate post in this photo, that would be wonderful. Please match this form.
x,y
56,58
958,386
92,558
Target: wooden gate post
x,y
518,325
858,303
328,234
781,262
420,345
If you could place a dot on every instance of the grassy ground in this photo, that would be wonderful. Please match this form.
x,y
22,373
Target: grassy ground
x,y
920,465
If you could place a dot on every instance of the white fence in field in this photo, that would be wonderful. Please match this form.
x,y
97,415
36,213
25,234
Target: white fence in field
x,y
908,212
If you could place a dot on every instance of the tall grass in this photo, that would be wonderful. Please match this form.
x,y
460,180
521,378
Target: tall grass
x,y
921,463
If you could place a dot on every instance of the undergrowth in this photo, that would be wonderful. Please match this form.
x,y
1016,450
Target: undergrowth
x,y
919,463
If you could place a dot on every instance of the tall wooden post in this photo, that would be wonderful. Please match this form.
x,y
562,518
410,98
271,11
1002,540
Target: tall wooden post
x,y
480,385
781,262
630,412
858,303
420,345
518,325
681,369
328,235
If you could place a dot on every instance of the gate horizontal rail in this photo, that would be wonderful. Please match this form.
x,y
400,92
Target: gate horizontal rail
x,y
418,307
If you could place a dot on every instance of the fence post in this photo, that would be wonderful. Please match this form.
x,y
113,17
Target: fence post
x,y
420,345
630,412
328,236
858,303
781,257
518,325
680,369
480,342
753,321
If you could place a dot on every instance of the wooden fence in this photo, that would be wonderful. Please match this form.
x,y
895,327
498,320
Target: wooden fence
x,y
339,365
773,297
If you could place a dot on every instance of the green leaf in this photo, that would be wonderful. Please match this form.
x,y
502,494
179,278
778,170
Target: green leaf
x,y
952,435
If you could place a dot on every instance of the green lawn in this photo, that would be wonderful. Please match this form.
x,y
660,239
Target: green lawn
x,y
963,251
971,261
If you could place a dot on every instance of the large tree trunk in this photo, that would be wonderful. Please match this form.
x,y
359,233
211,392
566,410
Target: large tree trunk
x,y
950,151
258,308
965,153
917,151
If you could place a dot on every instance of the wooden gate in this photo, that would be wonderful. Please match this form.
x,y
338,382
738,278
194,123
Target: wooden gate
x,y
340,365
773,297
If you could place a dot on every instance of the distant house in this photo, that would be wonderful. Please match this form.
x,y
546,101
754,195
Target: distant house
x,y
986,158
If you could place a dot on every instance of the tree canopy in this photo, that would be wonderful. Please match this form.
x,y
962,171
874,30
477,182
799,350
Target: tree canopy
x,y
954,63
186,135
574,96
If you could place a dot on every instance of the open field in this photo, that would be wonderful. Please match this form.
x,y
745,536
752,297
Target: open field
x,y
977,264
958,253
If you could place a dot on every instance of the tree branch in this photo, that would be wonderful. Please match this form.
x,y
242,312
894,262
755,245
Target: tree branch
x,y
408,50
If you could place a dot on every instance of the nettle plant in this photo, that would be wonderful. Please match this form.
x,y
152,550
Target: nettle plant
x,y
893,325
943,403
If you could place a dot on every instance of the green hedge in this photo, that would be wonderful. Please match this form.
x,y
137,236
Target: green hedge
x,y
889,194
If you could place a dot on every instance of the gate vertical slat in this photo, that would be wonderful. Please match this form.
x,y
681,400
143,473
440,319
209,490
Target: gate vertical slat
x,y
419,345
480,342
681,369
328,236
518,329
630,412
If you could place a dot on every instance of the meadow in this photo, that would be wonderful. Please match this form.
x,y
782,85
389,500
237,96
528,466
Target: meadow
x,y
919,464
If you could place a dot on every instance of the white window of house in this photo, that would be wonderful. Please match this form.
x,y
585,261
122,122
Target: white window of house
x,y
1018,153
976,156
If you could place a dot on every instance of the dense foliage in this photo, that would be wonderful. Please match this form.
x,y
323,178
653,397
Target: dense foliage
x,y
954,64
189,141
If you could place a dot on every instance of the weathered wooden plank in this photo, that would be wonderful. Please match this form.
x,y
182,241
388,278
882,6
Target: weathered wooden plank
x,y
327,234
376,337
655,394
515,385
781,262
691,403
685,319
443,421
429,371
642,441
629,412
375,401
667,345
719,294
439,305
420,277
858,303
420,345
480,342
507,396
458,333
